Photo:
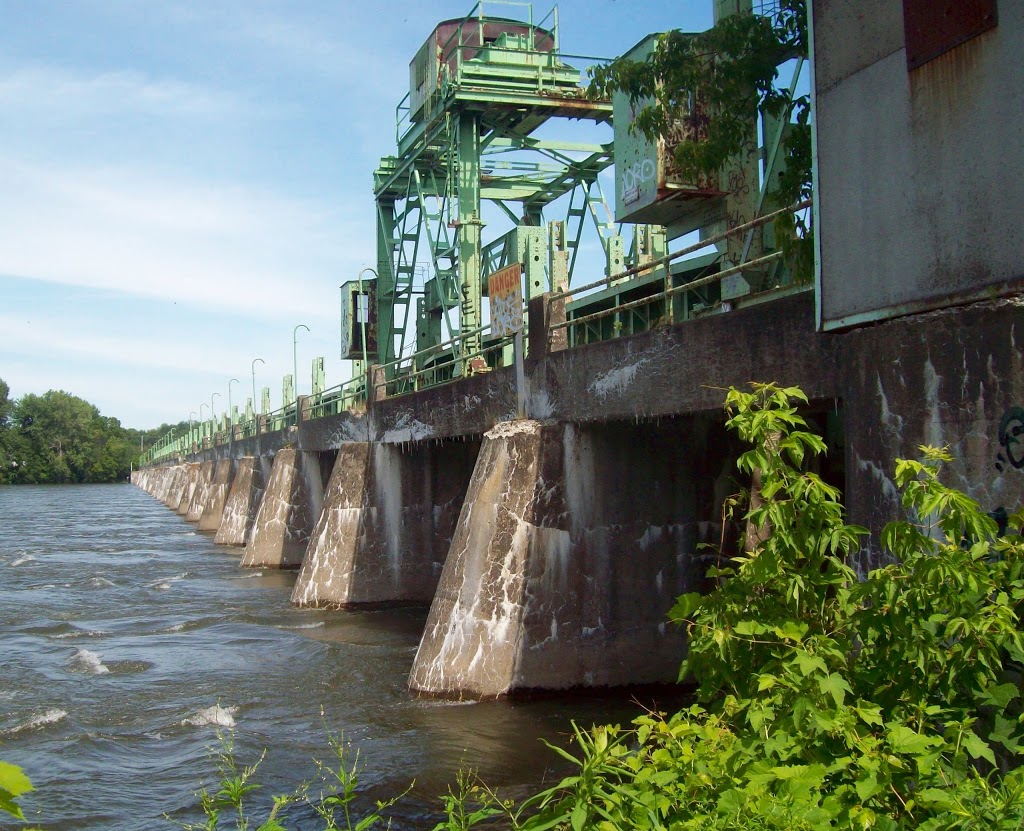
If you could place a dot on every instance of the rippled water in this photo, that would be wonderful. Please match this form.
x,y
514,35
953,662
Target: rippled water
x,y
127,640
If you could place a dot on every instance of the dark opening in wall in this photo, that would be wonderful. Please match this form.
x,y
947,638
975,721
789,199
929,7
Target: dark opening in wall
x,y
933,27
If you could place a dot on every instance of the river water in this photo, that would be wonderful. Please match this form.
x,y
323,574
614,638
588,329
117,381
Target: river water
x,y
129,642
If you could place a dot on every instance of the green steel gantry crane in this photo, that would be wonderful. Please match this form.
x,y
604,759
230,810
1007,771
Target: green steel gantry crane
x,y
480,90
475,149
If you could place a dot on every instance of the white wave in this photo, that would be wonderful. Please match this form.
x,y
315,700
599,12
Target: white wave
x,y
164,585
245,576
49,717
98,582
79,633
304,626
221,716
28,558
92,661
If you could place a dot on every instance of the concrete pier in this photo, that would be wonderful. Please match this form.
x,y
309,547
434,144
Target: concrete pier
x,y
217,496
388,518
201,492
178,480
189,489
564,563
242,504
290,506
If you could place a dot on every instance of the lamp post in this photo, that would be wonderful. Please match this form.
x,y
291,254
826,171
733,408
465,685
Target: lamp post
x,y
191,439
231,417
253,368
201,414
213,416
295,363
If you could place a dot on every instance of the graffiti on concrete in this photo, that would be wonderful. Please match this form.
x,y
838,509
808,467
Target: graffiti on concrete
x,y
1011,439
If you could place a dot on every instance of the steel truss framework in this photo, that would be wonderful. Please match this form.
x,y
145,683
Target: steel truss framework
x,y
472,152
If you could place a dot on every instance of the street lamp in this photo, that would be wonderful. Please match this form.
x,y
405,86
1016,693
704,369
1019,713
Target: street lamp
x,y
190,436
201,418
295,364
213,416
231,419
253,368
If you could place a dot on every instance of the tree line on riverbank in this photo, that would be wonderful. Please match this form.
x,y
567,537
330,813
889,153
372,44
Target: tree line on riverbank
x,y
58,438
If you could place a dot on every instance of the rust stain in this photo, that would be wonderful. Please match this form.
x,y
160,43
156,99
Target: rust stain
x,y
933,27
948,84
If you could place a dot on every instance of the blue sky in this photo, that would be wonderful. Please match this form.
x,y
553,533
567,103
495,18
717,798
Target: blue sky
x,y
182,183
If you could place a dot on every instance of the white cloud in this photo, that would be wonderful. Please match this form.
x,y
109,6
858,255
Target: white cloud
x,y
58,95
140,233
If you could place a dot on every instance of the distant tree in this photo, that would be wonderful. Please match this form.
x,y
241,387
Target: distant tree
x,y
60,438
5,439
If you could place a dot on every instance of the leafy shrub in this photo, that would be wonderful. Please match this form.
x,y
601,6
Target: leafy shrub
x,y
822,702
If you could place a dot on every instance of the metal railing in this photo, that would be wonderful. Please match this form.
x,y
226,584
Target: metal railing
x,y
446,362
670,291
338,399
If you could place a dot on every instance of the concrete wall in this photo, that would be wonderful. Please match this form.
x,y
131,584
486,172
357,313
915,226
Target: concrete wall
x,y
291,504
920,173
388,518
951,378
668,371
571,546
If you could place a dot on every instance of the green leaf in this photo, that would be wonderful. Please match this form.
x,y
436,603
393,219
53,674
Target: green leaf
x,y
999,695
809,663
977,747
13,783
867,787
367,822
791,630
835,685
939,799
869,714
685,606
904,740
578,817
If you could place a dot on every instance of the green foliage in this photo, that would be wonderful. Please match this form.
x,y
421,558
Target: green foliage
x,y
715,84
824,702
336,793
13,783
60,438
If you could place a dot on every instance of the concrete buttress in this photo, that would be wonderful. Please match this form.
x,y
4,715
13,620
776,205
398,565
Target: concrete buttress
x,y
285,518
560,573
242,504
217,496
188,491
201,492
178,483
388,518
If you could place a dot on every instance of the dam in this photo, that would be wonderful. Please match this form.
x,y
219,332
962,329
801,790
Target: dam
x,y
542,459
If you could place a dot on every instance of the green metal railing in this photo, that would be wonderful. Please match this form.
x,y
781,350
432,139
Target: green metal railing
x,y
669,292
441,364
341,398
446,362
